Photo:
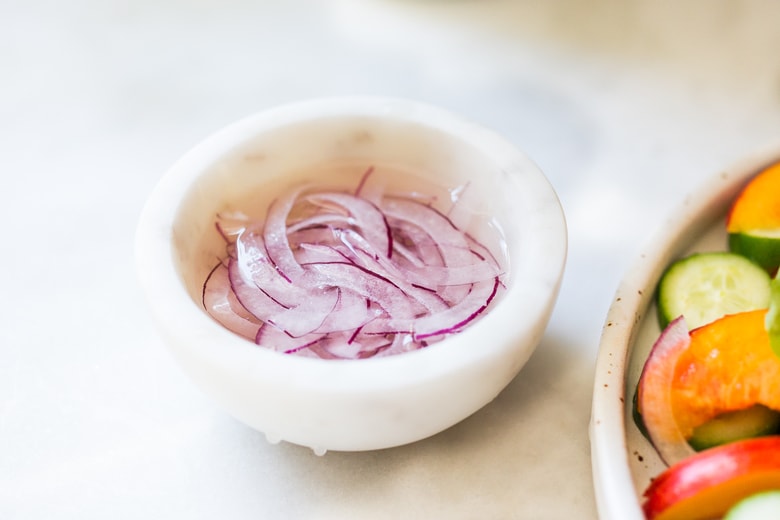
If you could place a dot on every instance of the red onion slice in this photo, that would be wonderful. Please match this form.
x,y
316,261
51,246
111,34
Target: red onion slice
x,y
368,218
275,236
308,316
416,287
253,266
276,339
373,286
222,304
449,240
459,315
317,222
350,314
450,321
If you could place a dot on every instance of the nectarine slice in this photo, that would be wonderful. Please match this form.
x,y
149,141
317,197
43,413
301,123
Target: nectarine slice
x,y
690,378
709,483
729,365
753,223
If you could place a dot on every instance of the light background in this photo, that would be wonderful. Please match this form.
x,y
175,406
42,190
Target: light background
x,y
628,107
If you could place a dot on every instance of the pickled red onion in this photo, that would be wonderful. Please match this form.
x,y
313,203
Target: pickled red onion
x,y
335,275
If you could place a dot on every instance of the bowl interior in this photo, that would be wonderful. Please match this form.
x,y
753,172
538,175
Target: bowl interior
x,y
336,152
479,180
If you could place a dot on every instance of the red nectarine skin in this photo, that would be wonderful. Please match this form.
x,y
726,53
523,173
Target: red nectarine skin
x,y
706,485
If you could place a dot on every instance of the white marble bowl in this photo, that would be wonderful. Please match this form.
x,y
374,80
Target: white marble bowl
x,y
365,404
623,460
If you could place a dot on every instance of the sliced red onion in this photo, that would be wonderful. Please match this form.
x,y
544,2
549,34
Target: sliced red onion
x,y
449,240
450,321
275,236
350,314
336,275
418,288
655,404
306,317
253,267
276,339
460,315
368,217
222,304
371,285
317,222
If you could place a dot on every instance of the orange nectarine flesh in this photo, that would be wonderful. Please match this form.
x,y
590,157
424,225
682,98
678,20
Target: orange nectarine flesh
x,y
757,208
728,366
706,485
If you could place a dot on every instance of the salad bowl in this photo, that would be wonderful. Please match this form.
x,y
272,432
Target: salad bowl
x,y
624,462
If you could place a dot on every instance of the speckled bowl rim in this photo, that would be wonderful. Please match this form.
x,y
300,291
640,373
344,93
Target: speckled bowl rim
x,y
616,497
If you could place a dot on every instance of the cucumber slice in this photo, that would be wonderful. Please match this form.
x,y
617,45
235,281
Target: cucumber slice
x,y
763,249
755,421
759,506
706,286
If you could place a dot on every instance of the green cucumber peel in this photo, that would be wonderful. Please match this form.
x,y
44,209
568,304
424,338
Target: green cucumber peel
x,y
772,322
756,421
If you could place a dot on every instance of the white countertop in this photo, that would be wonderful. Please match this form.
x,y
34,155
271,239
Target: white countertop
x,y
627,107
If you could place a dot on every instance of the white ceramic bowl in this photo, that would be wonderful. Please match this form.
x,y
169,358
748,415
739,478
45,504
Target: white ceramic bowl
x,y
365,404
623,461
